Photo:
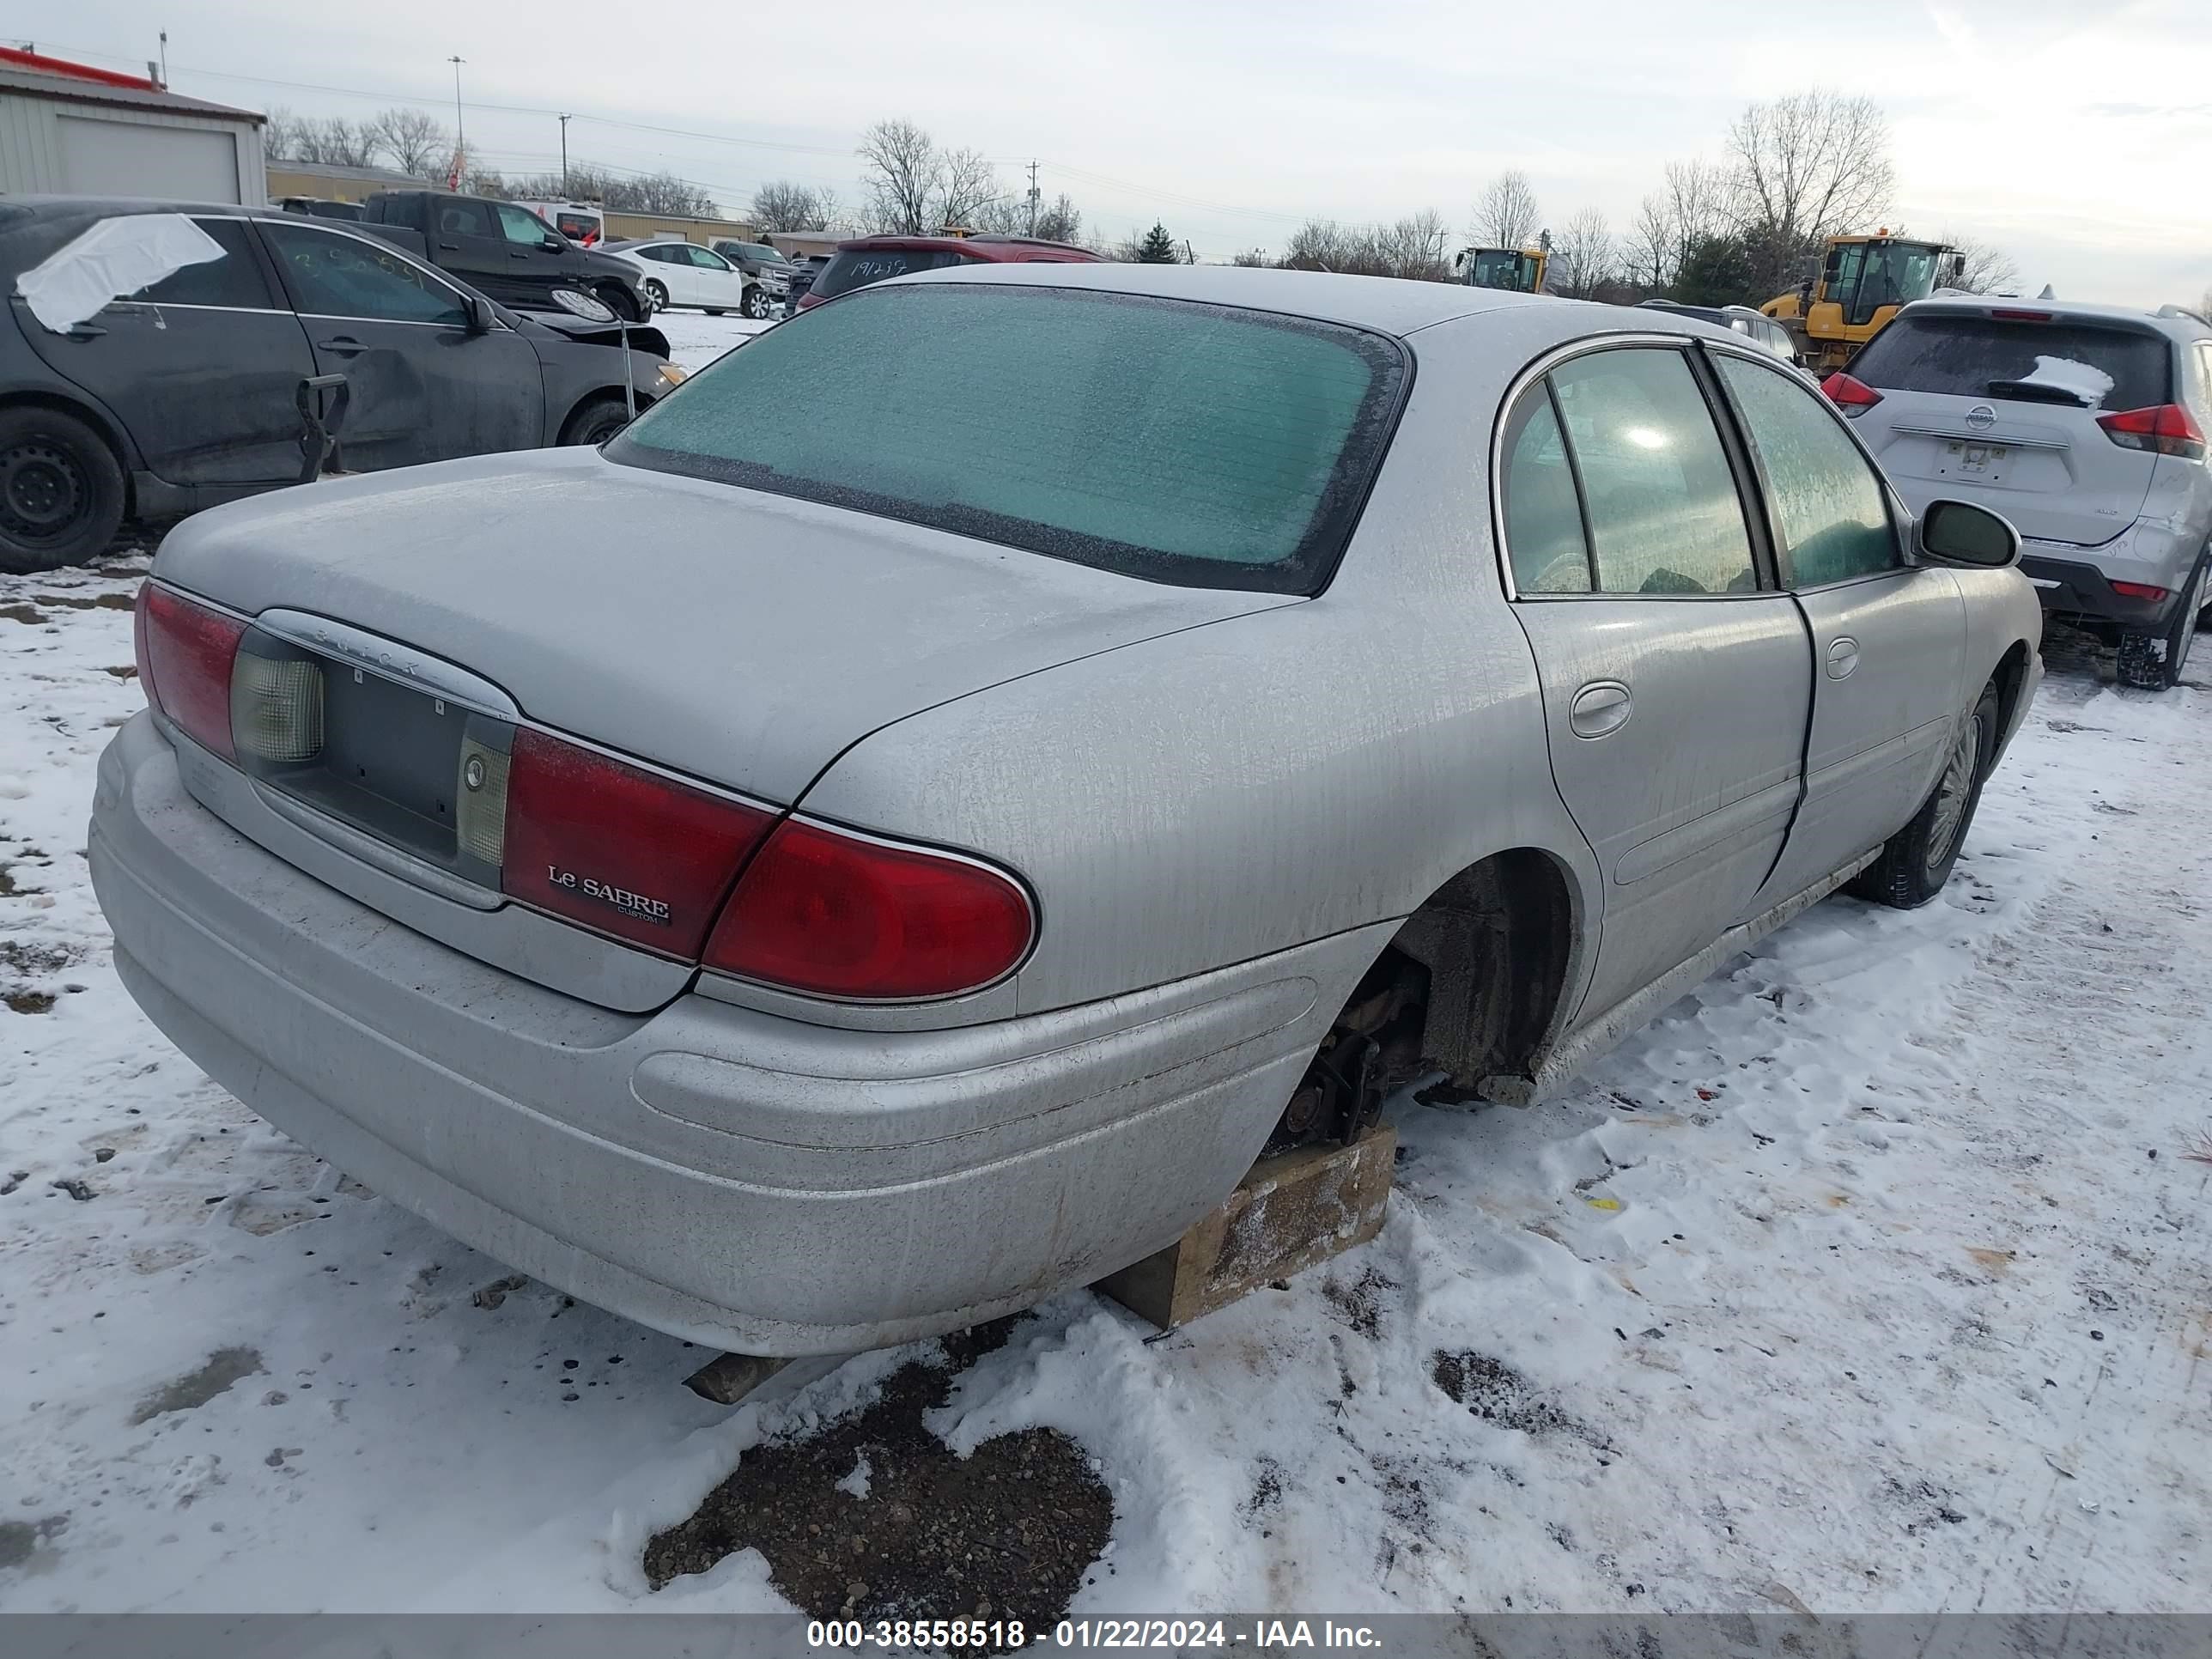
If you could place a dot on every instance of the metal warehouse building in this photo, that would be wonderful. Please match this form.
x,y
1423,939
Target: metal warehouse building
x,y
69,129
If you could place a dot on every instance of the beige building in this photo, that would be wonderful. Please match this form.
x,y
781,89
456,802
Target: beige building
x,y
329,183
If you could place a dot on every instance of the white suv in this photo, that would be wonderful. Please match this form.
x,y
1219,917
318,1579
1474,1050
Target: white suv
x,y
2085,425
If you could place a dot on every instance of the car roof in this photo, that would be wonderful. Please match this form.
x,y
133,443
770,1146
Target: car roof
x,y
2179,326
1388,304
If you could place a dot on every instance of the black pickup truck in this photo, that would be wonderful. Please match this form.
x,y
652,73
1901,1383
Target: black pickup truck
x,y
501,250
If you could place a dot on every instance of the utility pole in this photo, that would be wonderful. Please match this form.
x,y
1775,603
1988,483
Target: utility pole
x,y
164,58
457,62
1034,194
565,191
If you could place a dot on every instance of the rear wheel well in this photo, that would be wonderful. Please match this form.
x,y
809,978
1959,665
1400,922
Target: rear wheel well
x,y
1497,939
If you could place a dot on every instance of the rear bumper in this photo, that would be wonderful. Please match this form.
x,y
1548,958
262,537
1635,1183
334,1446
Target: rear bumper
x,y
2073,587
733,1177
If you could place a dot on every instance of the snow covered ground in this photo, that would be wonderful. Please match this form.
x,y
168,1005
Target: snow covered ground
x,y
1873,1276
695,339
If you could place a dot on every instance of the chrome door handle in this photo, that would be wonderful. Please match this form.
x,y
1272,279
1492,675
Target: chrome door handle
x,y
344,346
1843,657
1600,708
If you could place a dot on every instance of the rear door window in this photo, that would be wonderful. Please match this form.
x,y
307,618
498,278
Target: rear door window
x,y
1197,444
1665,517
1543,515
2071,365
1829,506
233,280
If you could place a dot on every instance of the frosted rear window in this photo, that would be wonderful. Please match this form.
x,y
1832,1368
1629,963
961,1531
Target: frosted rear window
x,y
1188,443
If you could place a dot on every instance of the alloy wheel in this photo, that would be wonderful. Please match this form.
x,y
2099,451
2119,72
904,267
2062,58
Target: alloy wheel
x,y
1952,794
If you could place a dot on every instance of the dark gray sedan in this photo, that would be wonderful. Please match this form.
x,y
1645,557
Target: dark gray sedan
x,y
152,356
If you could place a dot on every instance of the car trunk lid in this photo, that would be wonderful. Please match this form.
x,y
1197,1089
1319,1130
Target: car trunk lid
x,y
738,638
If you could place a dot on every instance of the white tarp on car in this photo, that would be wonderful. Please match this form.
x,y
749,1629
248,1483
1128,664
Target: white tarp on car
x,y
116,257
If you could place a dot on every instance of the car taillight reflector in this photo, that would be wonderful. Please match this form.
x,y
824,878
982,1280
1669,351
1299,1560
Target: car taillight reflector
x,y
188,653
619,848
2164,430
841,916
1849,393
2139,591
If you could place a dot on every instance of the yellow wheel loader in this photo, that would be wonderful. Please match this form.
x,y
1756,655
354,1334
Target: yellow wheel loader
x,y
1519,270
1862,283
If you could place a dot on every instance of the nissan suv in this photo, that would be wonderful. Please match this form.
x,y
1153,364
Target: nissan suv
x,y
2085,425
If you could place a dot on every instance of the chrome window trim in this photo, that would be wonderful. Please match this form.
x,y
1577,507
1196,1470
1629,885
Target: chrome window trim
x,y
1528,376
182,305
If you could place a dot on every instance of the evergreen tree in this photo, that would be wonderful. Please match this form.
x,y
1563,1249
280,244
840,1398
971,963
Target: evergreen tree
x,y
1716,271
1158,248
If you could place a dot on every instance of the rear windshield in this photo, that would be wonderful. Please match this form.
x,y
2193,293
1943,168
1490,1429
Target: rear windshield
x,y
1201,445
2076,365
849,271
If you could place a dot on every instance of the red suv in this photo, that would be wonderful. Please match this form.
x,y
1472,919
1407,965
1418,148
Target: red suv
x,y
873,258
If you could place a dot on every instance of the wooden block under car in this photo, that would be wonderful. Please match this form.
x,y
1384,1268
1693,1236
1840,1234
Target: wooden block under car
x,y
1292,1211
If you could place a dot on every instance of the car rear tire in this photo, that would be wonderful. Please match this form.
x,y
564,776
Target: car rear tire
x,y
2154,662
61,491
596,420
1917,859
713,311
758,305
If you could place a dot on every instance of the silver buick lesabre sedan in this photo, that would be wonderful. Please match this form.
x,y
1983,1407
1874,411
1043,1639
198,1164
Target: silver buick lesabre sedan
x,y
1138,717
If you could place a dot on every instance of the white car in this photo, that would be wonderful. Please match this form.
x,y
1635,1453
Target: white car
x,y
674,272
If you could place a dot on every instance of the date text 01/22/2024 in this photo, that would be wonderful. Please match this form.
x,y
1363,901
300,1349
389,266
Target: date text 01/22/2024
x,y
1171,1635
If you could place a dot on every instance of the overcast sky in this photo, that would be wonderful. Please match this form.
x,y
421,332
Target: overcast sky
x,y
2075,136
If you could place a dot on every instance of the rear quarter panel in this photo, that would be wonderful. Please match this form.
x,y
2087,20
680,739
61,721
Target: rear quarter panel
x,y
1216,794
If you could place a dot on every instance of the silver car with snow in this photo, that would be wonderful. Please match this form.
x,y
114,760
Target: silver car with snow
x,y
1140,716
2084,425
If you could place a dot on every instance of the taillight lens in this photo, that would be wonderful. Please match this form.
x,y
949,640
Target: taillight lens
x,y
2139,591
1849,393
185,661
619,848
841,916
2164,430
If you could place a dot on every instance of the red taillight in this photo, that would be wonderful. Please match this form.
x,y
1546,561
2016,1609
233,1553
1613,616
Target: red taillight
x,y
2001,315
138,641
1849,393
837,916
2139,591
2164,428
619,848
184,658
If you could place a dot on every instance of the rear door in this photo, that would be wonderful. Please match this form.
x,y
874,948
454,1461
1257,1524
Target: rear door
x,y
201,367
716,282
423,386
1888,638
2000,407
1677,679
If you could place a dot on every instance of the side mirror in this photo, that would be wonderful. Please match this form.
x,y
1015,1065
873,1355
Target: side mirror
x,y
1962,533
555,245
480,312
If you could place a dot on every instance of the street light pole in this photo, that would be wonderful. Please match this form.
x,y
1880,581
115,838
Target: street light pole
x,y
565,191
460,145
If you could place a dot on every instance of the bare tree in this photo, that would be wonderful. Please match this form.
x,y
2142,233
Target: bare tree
x,y
332,142
411,140
899,176
284,135
1986,270
1582,256
1254,257
1648,248
658,193
1505,213
784,205
1415,247
1804,168
965,182
1059,220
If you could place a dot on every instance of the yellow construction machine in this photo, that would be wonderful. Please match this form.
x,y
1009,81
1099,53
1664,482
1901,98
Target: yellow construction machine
x,y
1862,283
1518,269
